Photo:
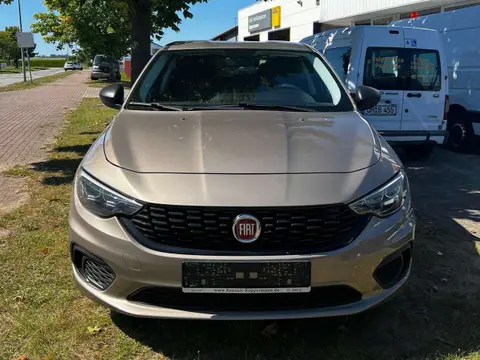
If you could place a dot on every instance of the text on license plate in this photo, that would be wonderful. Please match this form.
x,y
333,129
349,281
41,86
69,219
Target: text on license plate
x,y
246,278
247,290
382,110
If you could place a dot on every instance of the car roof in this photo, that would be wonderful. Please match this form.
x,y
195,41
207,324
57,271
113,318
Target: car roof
x,y
265,45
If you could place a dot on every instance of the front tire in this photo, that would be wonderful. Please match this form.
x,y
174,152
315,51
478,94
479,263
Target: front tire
x,y
461,132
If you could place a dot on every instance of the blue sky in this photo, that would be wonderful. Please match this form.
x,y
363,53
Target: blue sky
x,y
209,19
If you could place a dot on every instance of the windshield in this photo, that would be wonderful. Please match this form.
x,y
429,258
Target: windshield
x,y
98,59
212,77
403,69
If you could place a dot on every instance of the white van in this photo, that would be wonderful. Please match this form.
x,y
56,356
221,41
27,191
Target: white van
x,y
460,32
408,66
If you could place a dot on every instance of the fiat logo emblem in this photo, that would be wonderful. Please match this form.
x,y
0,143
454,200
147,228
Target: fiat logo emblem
x,y
246,228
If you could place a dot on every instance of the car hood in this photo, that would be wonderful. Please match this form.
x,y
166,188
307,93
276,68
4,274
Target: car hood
x,y
240,142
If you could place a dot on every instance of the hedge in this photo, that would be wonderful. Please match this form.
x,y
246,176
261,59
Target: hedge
x,y
53,63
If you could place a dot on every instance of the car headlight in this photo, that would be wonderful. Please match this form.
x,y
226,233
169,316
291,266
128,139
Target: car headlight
x,y
385,200
101,200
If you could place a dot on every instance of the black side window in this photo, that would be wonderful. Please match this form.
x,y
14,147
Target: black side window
x,y
339,59
424,72
402,69
384,68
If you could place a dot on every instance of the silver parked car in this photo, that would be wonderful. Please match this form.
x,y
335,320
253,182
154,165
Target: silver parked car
x,y
72,65
239,181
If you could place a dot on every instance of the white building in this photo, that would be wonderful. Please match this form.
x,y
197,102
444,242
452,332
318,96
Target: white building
x,y
296,19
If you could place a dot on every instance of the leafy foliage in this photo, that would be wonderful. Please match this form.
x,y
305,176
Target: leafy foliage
x,y
8,45
114,27
54,28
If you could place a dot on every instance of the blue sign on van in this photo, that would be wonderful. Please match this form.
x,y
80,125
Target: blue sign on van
x,y
411,43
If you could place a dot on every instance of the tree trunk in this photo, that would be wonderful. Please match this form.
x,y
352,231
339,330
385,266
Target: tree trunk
x,y
141,31
16,63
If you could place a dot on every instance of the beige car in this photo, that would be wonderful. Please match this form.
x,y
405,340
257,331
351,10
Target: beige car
x,y
239,181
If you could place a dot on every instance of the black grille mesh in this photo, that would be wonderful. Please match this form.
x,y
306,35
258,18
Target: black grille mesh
x,y
284,230
319,297
97,274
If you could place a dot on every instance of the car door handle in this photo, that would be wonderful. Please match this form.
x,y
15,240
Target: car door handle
x,y
417,95
388,101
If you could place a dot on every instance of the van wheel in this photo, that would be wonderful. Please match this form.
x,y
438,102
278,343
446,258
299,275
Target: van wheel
x,y
419,152
461,134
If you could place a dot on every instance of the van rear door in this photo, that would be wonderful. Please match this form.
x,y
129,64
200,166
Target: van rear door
x,y
382,63
425,84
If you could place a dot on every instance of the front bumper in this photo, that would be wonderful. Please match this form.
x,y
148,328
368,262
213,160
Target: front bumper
x,y
137,267
100,75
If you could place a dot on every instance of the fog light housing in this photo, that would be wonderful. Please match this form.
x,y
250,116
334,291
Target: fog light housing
x,y
94,270
393,268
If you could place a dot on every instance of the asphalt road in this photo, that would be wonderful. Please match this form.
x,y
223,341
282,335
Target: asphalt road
x,y
8,79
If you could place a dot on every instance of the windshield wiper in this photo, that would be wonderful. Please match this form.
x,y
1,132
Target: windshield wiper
x,y
153,106
274,107
250,106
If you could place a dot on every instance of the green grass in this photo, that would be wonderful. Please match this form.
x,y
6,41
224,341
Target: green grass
x,y
14,70
51,63
125,78
36,82
43,316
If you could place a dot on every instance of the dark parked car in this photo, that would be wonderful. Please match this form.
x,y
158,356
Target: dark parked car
x,y
105,68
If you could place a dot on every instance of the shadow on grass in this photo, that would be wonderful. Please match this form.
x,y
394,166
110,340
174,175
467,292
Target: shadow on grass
x,y
80,149
63,170
435,314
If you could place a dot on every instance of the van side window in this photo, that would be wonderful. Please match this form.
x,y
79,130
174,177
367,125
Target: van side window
x,y
424,71
384,68
402,69
339,59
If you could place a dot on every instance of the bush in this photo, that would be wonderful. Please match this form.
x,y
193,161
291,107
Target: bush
x,y
53,63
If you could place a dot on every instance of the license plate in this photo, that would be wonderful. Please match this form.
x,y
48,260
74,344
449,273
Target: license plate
x,y
382,110
246,277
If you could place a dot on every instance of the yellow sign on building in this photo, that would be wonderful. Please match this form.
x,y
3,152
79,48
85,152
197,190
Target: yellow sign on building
x,y
276,16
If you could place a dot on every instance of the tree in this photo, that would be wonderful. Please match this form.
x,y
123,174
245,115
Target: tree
x,y
54,29
111,27
151,17
6,2
8,45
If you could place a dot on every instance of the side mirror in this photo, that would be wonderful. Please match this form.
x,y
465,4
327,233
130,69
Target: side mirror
x,y
367,97
112,96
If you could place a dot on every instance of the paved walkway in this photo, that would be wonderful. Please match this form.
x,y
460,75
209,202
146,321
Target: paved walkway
x,y
92,92
8,79
30,119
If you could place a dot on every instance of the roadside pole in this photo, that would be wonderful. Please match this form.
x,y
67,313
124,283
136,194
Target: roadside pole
x,y
21,49
26,41
29,67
